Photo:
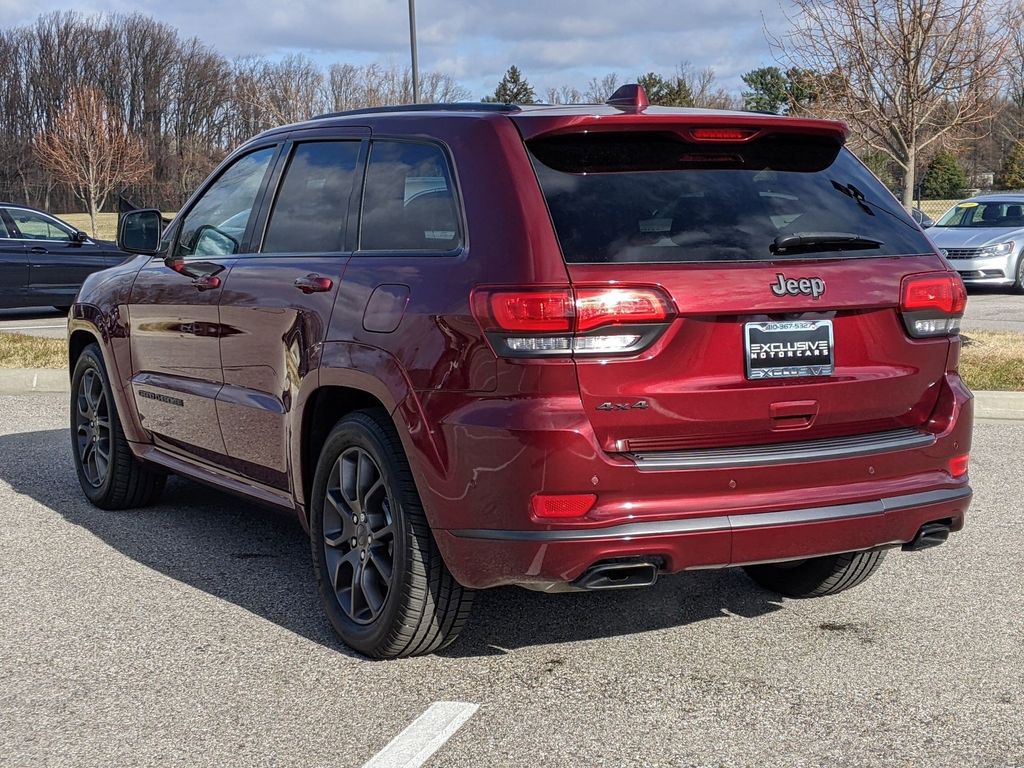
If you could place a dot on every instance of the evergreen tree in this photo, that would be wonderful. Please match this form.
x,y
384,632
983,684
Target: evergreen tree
x,y
881,166
513,89
1011,175
944,179
666,91
767,91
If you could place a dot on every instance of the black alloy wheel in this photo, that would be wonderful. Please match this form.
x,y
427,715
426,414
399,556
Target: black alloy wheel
x,y
359,536
92,428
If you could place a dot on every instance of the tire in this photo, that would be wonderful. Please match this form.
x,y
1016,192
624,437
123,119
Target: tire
x,y
110,476
1018,283
382,581
818,576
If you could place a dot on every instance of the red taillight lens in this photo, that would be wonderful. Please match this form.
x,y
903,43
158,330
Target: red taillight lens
x,y
562,506
590,320
943,293
721,134
534,311
609,306
958,465
932,304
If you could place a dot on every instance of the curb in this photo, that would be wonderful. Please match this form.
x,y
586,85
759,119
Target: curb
x,y
1000,406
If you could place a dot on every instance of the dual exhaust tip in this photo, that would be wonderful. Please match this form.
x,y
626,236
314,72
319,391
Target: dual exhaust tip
x,y
629,574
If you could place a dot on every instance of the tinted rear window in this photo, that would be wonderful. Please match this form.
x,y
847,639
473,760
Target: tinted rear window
x,y
652,197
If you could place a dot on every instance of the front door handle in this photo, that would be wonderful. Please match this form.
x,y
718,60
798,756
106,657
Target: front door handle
x,y
314,284
206,282
37,249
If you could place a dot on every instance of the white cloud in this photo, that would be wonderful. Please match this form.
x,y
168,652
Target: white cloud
x,y
552,41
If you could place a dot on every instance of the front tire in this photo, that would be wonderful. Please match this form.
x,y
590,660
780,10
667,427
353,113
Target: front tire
x,y
818,576
382,581
110,476
1018,284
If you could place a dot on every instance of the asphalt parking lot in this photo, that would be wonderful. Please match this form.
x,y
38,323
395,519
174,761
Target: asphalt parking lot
x,y
190,634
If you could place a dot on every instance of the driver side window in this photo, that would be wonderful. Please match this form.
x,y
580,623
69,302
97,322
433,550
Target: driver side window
x,y
216,224
32,226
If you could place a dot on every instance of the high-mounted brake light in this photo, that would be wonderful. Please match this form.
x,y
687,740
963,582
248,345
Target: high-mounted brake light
x,y
932,304
721,134
590,320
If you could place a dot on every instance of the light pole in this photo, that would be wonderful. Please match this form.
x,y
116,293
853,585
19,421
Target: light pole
x,y
412,43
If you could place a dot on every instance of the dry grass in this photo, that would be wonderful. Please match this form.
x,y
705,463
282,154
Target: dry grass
x,y
993,360
18,350
106,223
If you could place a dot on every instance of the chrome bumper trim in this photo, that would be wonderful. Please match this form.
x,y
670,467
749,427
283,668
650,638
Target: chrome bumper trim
x,y
766,455
726,522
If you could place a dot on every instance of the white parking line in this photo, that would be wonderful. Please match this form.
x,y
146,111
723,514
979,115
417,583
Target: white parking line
x,y
30,327
424,735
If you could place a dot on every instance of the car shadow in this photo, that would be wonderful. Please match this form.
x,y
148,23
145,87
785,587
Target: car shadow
x,y
258,559
31,313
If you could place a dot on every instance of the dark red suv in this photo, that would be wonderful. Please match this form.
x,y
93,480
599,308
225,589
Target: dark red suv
x,y
559,347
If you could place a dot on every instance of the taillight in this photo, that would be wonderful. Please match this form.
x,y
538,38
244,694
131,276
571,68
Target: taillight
x,y
932,304
588,320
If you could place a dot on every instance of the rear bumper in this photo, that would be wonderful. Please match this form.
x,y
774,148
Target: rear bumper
x,y
714,541
694,509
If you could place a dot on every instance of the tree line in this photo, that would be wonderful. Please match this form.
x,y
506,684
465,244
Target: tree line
x,y
919,81
184,103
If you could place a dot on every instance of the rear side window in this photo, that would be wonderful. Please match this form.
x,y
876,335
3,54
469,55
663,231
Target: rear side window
x,y
311,210
408,202
653,197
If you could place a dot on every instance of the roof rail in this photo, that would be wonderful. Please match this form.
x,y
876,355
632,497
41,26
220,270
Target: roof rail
x,y
455,106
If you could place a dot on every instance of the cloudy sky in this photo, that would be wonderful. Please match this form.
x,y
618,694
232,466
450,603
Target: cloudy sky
x,y
554,42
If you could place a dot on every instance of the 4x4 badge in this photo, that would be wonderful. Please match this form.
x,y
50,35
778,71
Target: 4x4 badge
x,y
808,286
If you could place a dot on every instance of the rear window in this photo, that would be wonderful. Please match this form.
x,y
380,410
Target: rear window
x,y
652,197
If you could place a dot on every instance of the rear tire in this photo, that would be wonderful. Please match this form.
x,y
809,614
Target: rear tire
x,y
818,576
110,476
382,581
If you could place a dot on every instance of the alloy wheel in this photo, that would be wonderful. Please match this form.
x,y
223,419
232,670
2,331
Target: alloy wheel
x,y
359,535
92,428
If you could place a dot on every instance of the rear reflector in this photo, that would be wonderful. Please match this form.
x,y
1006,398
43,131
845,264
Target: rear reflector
x,y
958,465
932,304
563,506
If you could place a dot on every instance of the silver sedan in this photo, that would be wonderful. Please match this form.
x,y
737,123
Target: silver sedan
x,y
983,238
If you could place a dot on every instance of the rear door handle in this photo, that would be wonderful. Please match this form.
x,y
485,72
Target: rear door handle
x,y
313,284
37,249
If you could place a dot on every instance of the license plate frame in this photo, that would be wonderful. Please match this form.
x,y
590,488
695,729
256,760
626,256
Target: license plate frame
x,y
788,349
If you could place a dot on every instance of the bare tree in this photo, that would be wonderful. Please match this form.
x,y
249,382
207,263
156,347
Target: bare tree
x,y
601,88
88,147
906,74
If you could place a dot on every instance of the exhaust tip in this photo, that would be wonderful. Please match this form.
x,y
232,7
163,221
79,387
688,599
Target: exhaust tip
x,y
930,535
621,575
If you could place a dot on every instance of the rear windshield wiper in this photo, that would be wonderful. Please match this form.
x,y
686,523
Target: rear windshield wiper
x,y
823,241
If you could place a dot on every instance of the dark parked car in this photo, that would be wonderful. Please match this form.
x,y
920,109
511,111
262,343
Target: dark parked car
x,y
560,347
44,261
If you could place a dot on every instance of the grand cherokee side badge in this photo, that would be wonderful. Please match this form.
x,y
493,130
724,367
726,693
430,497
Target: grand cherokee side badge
x,y
808,286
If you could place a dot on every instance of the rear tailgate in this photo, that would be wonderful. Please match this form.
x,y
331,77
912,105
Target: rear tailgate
x,y
693,382
772,341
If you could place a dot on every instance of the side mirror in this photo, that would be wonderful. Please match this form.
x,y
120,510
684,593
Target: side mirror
x,y
140,231
79,237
